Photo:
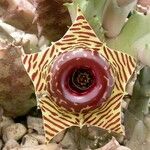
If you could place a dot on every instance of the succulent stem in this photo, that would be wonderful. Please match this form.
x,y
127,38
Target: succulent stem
x,y
115,17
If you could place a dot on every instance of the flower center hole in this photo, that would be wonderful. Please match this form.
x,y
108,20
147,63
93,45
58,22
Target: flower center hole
x,y
81,79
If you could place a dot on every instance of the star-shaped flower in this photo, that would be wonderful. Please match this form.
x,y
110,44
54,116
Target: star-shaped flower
x,y
79,81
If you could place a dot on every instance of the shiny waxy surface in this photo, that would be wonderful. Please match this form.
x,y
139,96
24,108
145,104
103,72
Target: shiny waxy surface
x,y
80,78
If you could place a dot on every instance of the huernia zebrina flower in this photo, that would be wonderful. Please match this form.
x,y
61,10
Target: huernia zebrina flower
x,y
79,81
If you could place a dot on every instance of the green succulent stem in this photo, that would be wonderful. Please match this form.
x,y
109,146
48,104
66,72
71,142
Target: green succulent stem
x,y
115,16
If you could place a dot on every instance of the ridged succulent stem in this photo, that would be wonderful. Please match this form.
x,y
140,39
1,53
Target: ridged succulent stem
x,y
115,16
141,95
124,2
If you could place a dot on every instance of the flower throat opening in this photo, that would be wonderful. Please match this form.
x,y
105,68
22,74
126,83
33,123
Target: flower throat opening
x,y
81,79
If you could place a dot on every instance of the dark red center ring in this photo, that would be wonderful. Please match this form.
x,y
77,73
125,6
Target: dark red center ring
x,y
81,80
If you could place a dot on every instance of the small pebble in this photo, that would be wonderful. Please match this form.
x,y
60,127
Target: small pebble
x,y
51,146
10,144
36,124
30,130
29,140
6,121
14,131
39,138
123,148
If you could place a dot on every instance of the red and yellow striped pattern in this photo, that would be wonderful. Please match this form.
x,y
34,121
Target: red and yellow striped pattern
x,y
38,65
